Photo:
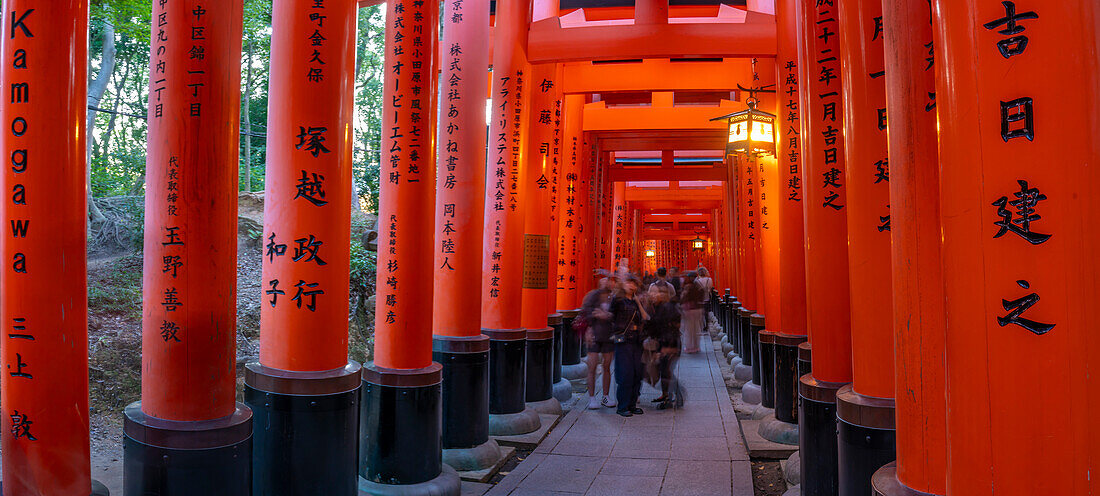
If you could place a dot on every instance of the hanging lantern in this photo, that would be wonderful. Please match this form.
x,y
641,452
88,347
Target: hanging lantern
x,y
698,244
750,131
650,253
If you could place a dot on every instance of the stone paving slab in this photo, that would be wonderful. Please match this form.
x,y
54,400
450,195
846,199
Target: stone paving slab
x,y
694,451
530,440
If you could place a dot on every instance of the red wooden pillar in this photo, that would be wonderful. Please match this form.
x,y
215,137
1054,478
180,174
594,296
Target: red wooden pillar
x,y
865,408
751,302
401,442
791,328
503,265
918,323
825,205
1017,96
571,231
457,342
605,215
307,216
570,210
44,297
619,225
537,191
586,215
187,434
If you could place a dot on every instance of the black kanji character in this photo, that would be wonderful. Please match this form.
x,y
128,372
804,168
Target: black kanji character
x,y
168,331
1017,307
1026,201
310,188
312,139
312,294
307,250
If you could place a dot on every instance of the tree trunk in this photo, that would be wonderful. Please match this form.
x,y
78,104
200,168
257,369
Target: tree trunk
x,y
248,120
103,146
95,94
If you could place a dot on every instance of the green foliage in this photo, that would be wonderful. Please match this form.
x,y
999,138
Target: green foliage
x,y
361,325
362,268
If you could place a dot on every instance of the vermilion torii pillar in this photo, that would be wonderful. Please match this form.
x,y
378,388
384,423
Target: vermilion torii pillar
x,y
619,224
563,390
586,214
792,265
304,383
918,322
458,344
44,297
865,408
825,205
187,435
503,251
537,193
572,225
1018,182
752,303
768,195
400,440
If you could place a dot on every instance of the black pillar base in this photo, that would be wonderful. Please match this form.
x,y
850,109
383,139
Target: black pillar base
x,y
507,370
817,436
767,369
744,334
465,389
508,414
866,439
170,458
400,432
885,483
540,364
306,427
786,377
570,341
98,489
805,362
756,324
556,323
720,316
732,330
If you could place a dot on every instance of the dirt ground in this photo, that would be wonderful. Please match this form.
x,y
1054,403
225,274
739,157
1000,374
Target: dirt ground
x,y
767,478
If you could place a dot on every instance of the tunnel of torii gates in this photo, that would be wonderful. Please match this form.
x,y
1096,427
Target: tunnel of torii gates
x,y
915,206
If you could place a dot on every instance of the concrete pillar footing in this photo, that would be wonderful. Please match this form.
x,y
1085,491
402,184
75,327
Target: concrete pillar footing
x,y
563,389
743,372
778,431
549,406
479,457
574,372
514,424
750,392
446,484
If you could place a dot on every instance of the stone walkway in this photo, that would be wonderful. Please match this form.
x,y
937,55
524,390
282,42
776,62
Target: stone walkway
x,y
697,450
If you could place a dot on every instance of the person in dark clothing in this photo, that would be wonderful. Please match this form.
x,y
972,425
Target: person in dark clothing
x,y
596,311
664,328
662,280
674,280
627,321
